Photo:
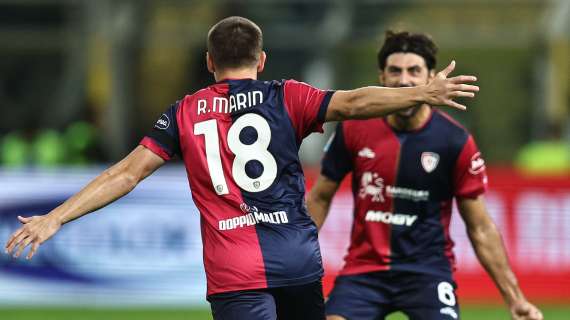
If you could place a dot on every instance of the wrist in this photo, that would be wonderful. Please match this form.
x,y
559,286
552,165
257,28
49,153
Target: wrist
x,y
513,296
422,94
57,217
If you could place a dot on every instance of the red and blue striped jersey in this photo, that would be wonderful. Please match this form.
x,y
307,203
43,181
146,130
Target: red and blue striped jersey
x,y
403,184
239,140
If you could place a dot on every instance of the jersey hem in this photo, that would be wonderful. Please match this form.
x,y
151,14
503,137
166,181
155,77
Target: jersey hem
x,y
268,284
439,273
296,281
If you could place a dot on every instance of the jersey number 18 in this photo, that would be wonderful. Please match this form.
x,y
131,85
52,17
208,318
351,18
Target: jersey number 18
x,y
243,153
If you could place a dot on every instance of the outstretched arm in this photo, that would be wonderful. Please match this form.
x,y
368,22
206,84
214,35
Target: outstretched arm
x,y
490,250
319,199
370,102
109,186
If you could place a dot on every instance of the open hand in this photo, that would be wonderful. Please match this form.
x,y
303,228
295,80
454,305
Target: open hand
x,y
441,90
35,231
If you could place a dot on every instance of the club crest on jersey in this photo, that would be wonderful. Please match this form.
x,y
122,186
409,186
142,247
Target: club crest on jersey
x,y
371,185
477,164
366,153
429,161
163,122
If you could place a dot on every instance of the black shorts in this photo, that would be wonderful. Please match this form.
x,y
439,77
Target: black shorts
x,y
372,296
304,302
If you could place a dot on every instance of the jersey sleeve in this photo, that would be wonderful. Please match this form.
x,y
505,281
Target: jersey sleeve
x,y
307,107
163,139
469,176
337,162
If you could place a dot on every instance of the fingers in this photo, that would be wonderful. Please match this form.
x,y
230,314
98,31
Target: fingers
x,y
15,238
465,87
35,246
454,104
535,314
24,220
462,94
527,312
12,237
448,69
462,79
23,246
9,245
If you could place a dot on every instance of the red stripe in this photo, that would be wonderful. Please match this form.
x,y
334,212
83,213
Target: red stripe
x,y
150,144
445,218
371,244
232,258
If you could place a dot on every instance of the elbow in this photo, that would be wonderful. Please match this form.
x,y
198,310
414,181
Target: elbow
x,y
123,180
484,233
129,181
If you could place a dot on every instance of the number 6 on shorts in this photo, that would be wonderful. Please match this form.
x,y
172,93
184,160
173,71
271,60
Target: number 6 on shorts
x,y
445,293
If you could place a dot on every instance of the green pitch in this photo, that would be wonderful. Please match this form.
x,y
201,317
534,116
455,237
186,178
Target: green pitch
x,y
468,313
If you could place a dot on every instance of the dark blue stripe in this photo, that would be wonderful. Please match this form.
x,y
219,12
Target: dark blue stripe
x,y
324,106
337,162
424,241
290,250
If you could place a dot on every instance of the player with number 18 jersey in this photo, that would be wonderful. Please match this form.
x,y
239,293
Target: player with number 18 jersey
x,y
239,140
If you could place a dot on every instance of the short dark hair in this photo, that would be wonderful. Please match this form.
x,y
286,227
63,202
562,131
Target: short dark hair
x,y
406,42
235,42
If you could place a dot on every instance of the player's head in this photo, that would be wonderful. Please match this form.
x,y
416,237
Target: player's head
x,y
406,60
235,43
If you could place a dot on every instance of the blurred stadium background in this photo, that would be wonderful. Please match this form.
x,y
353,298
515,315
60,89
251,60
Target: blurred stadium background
x,y
82,81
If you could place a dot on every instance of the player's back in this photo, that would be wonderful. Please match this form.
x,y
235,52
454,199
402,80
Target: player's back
x,y
239,140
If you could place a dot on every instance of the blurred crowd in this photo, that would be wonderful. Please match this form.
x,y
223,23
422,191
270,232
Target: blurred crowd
x,y
75,145
82,81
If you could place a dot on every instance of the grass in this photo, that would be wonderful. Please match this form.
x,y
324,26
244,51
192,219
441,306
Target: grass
x,y
468,313
104,314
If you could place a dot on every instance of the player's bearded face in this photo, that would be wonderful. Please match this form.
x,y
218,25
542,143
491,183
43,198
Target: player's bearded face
x,y
405,70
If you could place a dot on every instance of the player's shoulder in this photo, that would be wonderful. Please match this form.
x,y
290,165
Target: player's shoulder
x,y
295,85
291,82
357,132
215,89
455,132
364,126
446,121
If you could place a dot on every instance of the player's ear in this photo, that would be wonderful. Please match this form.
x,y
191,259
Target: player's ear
x,y
210,63
261,64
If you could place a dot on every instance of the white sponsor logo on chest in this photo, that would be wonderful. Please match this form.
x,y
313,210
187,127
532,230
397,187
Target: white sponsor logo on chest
x,y
252,217
398,219
429,161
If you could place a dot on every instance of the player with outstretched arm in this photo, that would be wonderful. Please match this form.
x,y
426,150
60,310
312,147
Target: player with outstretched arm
x,y
239,140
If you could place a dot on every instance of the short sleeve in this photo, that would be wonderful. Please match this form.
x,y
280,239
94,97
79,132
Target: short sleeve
x,y
337,162
163,139
307,106
469,176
